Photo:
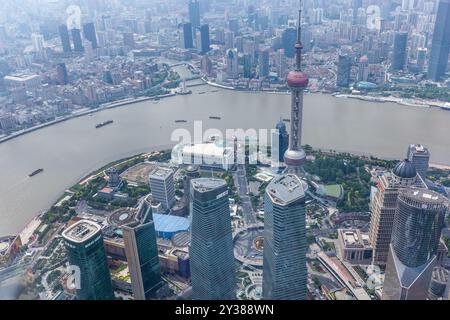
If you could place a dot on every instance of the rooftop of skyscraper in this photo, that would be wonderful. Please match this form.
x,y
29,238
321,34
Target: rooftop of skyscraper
x,y
81,231
160,172
207,184
418,148
425,197
286,189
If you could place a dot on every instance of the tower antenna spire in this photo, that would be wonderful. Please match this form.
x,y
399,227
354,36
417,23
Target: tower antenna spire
x,y
298,45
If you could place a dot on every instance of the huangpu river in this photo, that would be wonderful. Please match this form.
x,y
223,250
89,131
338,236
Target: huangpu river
x,y
70,150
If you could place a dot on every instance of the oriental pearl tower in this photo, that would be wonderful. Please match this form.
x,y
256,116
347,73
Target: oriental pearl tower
x,y
297,81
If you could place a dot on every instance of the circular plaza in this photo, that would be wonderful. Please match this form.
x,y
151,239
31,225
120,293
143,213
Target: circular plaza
x,y
249,245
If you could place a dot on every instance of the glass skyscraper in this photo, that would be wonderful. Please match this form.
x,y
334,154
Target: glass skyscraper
x,y
399,53
288,39
194,13
142,253
285,273
77,42
440,47
65,39
211,249
205,41
280,142
89,34
85,249
343,71
418,223
188,41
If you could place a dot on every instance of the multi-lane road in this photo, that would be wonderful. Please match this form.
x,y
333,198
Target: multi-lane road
x,y
240,180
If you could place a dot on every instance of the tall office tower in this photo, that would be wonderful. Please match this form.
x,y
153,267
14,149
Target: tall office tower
x,y
84,244
188,41
229,39
194,13
281,64
211,249
264,62
440,46
128,39
77,42
418,222
419,156
356,4
421,57
90,35
232,67
343,71
247,65
162,187
404,175
288,39
363,69
233,25
297,81
280,142
61,74
204,37
38,42
142,253
285,274
65,39
399,52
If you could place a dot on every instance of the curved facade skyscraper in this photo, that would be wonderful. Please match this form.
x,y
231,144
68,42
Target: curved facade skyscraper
x,y
417,226
418,223
211,249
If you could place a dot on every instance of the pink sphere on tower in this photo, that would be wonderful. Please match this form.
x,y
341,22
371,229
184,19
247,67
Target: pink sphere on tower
x,y
297,79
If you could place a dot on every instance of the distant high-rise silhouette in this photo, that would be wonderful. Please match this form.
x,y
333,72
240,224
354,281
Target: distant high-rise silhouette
x,y
211,249
65,38
232,64
205,40
77,42
89,34
288,39
194,13
61,74
188,41
343,71
264,62
399,52
128,39
440,47
280,142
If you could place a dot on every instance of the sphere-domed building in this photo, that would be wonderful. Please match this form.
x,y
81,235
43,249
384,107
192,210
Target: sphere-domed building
x,y
404,173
